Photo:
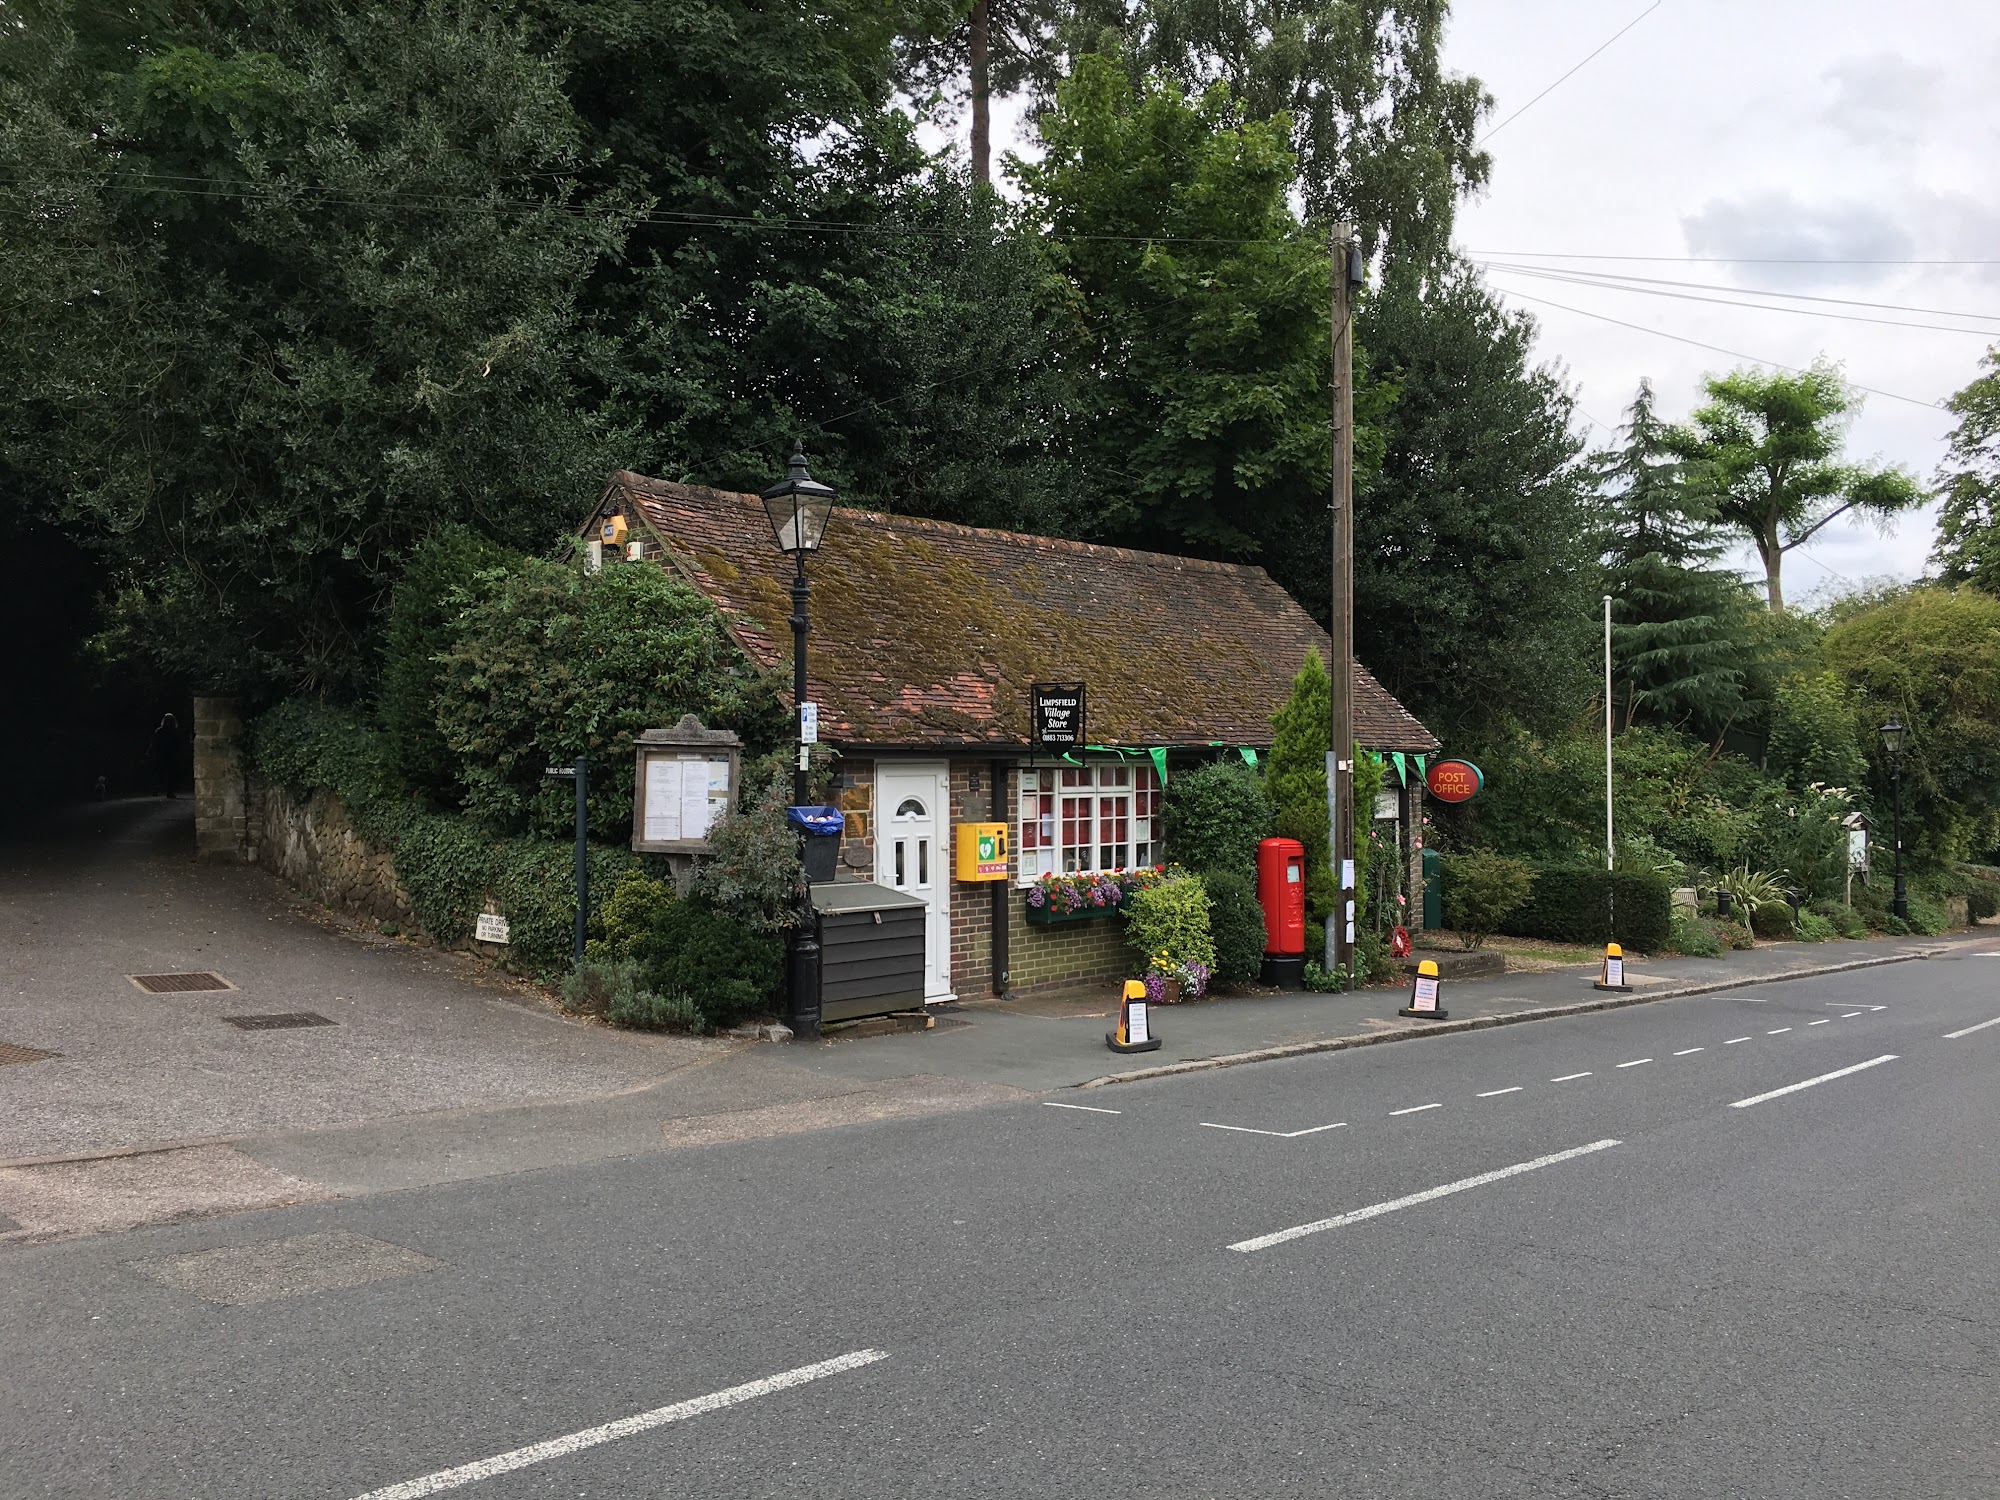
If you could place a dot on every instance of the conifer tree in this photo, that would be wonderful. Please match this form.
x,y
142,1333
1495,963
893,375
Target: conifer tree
x,y
1680,649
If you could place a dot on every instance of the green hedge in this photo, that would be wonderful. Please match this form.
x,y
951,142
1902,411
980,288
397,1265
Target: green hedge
x,y
1570,904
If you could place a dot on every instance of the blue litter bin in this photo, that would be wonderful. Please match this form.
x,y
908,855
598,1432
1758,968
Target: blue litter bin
x,y
822,828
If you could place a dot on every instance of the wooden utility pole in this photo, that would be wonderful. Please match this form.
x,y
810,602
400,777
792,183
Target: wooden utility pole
x,y
1340,625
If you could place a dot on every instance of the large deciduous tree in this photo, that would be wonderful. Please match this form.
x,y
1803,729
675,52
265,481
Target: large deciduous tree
x,y
1476,576
1968,540
1194,308
1765,452
971,52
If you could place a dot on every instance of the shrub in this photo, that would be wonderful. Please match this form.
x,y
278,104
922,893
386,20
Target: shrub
x,y
724,966
559,661
1322,981
1697,937
649,1010
1737,935
1577,904
627,914
1845,920
1215,816
754,871
449,572
1982,900
1813,928
1927,916
1168,924
1481,891
1295,778
596,988
1772,921
1236,922
1372,959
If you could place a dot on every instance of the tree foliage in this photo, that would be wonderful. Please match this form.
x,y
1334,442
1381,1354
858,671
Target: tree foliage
x,y
1968,540
1295,779
1765,453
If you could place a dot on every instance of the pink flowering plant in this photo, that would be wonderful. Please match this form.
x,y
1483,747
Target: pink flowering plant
x,y
1089,891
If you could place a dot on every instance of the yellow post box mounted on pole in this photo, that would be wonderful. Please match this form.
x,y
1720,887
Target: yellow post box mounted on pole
x,y
1135,1022
1426,994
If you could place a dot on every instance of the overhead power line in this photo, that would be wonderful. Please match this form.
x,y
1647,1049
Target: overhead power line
x,y
1806,312
1609,277
1717,260
1572,72
1755,359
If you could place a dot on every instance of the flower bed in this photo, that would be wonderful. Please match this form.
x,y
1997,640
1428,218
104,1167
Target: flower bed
x,y
1084,897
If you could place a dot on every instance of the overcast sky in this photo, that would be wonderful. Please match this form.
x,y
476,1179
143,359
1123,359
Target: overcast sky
x,y
1759,129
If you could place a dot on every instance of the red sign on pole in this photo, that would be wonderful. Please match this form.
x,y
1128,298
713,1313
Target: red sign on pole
x,y
1454,780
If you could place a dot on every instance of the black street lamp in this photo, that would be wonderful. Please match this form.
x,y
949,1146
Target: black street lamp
x,y
799,507
1893,737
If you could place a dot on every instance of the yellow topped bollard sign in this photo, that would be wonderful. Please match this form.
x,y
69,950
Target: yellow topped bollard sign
x,y
982,851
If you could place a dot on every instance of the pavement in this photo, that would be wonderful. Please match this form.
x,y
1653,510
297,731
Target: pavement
x,y
1734,1244
153,1109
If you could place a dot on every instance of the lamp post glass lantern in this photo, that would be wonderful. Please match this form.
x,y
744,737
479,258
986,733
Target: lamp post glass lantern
x,y
1894,737
800,507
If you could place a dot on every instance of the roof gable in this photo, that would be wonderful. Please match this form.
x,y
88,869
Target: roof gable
x,y
925,632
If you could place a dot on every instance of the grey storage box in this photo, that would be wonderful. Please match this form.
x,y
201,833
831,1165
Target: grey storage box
x,y
871,947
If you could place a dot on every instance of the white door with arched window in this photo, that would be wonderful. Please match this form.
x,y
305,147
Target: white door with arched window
x,y
912,854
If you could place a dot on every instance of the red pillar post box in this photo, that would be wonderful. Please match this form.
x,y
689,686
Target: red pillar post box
x,y
1281,891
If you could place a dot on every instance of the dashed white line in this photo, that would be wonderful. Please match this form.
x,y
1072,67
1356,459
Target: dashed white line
x,y
1087,1108
1266,1241
1283,1135
1496,1093
1779,1031
1635,1062
1952,1036
1822,1021
1747,999
645,1421
1686,1051
1415,1109
1793,1088
1568,1076
1848,1015
1734,1040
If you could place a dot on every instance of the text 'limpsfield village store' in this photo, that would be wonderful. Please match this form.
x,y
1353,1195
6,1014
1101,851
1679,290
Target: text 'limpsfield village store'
x,y
937,648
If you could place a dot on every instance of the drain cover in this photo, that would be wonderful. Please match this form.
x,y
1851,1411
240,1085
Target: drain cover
x,y
179,984
13,1052
283,1021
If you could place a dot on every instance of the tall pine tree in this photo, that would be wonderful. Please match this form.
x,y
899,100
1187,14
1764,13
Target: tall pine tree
x,y
1679,649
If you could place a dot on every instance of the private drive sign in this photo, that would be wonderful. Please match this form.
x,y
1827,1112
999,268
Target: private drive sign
x,y
1454,780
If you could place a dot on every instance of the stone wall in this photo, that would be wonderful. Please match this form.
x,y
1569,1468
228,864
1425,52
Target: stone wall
x,y
313,848
222,821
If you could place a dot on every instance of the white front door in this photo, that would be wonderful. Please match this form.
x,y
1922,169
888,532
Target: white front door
x,y
912,833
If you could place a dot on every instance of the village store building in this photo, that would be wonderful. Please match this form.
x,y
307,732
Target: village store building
x,y
927,642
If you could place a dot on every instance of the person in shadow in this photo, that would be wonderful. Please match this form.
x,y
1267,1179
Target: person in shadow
x,y
165,754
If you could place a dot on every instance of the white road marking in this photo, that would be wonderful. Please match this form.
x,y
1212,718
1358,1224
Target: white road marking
x,y
1088,1108
1952,1036
1734,1040
1793,1088
1415,1109
1568,1076
1822,1021
1747,999
1266,1241
1779,1031
1685,1051
1496,1093
1283,1135
645,1421
1635,1062
1848,1015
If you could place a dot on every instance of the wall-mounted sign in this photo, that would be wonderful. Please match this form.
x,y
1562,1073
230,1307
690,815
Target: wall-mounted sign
x,y
1058,713
808,723
490,927
1454,780
685,781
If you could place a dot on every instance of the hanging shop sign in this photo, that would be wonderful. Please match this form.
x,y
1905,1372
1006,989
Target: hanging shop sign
x,y
1454,780
1058,713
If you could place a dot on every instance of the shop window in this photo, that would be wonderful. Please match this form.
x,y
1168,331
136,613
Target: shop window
x,y
1093,817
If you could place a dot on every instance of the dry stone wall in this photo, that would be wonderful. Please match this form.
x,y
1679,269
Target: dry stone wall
x,y
312,847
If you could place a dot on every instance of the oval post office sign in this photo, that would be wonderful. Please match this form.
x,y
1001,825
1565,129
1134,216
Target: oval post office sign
x,y
1454,780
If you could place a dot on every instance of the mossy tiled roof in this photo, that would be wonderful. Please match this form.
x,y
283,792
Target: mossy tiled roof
x,y
928,633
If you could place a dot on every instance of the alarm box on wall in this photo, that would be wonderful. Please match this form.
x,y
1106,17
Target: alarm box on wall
x,y
982,851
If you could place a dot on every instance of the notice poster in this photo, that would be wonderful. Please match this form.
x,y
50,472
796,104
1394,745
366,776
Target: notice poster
x,y
1135,1021
1614,971
663,799
1426,997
